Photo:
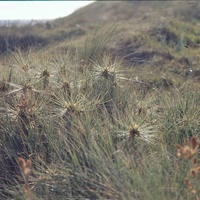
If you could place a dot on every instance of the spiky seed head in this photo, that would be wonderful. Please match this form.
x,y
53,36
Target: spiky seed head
x,y
134,131
105,72
45,73
70,109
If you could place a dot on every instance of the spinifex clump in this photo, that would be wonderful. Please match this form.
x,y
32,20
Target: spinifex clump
x,y
64,88
145,134
68,107
106,74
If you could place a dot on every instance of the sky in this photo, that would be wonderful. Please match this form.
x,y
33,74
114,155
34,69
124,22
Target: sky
x,y
34,10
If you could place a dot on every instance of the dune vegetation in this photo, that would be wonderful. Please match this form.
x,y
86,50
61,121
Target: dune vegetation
x,y
105,108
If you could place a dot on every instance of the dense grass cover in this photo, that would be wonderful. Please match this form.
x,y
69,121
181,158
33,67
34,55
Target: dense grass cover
x,y
103,121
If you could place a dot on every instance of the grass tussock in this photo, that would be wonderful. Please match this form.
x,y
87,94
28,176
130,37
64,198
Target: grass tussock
x,y
81,125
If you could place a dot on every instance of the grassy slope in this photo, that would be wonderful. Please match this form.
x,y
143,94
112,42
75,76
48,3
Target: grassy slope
x,y
99,113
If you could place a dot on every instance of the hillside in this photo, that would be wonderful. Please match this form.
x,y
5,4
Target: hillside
x,y
85,19
102,104
146,32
